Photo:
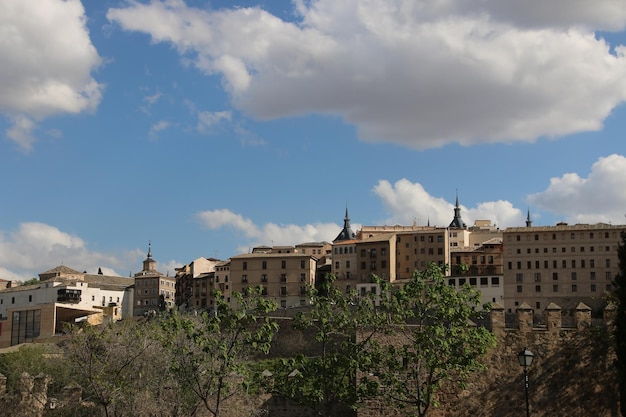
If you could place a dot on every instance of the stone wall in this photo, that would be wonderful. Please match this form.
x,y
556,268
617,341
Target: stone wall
x,y
572,373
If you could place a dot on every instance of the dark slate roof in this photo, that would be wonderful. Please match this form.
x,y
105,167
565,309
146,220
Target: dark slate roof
x,y
346,233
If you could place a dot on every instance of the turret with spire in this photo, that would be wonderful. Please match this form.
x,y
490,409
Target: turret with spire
x,y
149,264
457,221
529,223
346,233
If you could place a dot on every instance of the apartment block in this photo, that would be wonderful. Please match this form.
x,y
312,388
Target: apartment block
x,y
564,264
283,273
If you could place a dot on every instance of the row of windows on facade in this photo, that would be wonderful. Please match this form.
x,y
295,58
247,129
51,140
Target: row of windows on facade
x,y
165,293
282,293
283,303
283,264
484,260
608,275
473,281
152,301
283,278
574,288
582,235
152,282
30,299
564,249
555,264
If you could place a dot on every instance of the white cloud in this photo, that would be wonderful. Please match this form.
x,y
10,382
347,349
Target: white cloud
x,y
158,127
408,202
37,247
22,132
419,73
600,197
208,120
47,60
270,233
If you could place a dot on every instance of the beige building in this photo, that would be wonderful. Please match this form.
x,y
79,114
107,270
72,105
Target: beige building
x,y
564,264
481,267
153,290
283,273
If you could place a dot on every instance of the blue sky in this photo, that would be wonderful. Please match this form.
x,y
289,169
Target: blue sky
x,y
209,127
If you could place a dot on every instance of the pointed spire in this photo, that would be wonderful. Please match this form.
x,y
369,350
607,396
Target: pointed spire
x,y
457,221
346,233
529,222
149,249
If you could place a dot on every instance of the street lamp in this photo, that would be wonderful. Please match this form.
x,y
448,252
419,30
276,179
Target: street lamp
x,y
525,358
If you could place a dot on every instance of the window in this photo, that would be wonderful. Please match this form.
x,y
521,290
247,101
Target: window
x,y
484,281
451,282
264,265
555,276
245,265
555,288
302,277
283,303
519,288
573,263
283,291
537,288
592,275
283,277
263,277
537,276
592,263
283,264
574,276
472,282
25,326
495,281
593,287
608,263
244,278
519,277
574,288
302,264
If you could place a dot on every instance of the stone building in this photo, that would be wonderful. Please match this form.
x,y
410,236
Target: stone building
x,y
153,290
564,264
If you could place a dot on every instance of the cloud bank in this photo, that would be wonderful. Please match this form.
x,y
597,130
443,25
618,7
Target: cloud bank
x,y
421,74
47,61
600,197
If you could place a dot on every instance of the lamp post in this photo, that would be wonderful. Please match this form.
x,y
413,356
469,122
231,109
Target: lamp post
x,y
525,358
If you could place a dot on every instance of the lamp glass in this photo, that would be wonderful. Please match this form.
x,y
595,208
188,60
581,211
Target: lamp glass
x,y
525,358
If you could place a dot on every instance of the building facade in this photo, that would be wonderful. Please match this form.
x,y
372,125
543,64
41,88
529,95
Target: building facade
x,y
564,264
283,274
64,296
153,290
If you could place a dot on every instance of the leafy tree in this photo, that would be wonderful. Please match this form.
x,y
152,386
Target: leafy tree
x,y
620,323
436,345
121,369
30,282
325,381
210,353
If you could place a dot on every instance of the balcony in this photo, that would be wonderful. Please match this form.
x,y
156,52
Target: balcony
x,y
66,295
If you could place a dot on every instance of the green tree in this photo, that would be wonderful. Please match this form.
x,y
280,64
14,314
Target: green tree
x,y
211,353
121,367
437,344
620,323
343,329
